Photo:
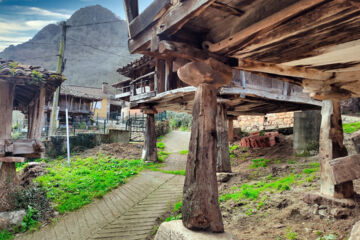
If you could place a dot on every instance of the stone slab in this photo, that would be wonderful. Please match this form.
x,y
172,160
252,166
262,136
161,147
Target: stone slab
x,y
317,198
355,233
175,230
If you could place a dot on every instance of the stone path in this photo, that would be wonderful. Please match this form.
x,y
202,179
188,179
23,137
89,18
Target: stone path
x,y
128,212
176,141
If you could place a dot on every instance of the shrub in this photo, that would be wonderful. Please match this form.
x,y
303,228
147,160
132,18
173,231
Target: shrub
x,y
34,199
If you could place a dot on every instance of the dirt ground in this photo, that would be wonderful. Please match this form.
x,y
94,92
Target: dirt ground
x,y
283,215
123,151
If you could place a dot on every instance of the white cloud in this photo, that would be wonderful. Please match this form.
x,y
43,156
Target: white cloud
x,y
15,27
47,13
38,24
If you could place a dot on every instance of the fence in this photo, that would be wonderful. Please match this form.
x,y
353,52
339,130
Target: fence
x,y
78,125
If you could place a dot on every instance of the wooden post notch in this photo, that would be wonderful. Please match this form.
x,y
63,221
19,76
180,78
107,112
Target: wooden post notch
x,y
150,150
332,151
201,209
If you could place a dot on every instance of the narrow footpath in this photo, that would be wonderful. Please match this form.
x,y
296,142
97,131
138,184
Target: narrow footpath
x,y
128,212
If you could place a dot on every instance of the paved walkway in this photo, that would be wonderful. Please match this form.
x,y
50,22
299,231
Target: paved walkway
x,y
128,212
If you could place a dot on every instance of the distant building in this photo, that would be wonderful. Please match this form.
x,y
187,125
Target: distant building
x,y
86,103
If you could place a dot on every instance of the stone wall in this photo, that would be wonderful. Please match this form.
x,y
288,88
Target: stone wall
x,y
265,122
57,145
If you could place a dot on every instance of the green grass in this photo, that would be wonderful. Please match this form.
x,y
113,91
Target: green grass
x,y
290,235
351,127
160,145
178,172
162,156
253,191
6,235
70,188
313,167
175,213
184,152
232,148
260,162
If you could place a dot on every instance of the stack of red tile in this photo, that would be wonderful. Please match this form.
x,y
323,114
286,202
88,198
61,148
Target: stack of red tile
x,y
257,140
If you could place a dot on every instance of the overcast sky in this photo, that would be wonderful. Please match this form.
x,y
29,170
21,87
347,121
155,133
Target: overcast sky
x,y
21,20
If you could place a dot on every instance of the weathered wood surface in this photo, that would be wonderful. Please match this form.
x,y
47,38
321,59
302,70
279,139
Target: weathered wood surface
x,y
345,169
150,150
210,72
291,40
331,146
12,159
231,130
8,178
20,147
200,209
222,129
147,17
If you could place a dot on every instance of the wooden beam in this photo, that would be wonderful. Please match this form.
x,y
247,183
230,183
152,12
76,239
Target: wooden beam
x,y
147,17
180,14
300,72
228,9
185,51
265,24
267,95
131,9
328,14
12,159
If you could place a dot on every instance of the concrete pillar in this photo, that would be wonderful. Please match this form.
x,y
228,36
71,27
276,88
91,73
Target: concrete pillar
x,y
306,132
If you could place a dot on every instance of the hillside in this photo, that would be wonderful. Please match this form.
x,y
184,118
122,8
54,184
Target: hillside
x,y
86,63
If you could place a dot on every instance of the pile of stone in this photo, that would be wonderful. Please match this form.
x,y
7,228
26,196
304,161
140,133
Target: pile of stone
x,y
258,140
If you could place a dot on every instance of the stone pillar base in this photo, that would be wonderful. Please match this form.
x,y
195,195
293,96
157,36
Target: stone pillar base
x,y
175,230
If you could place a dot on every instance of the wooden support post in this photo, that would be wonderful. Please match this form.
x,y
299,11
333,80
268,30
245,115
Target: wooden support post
x,y
231,130
8,178
150,150
160,75
201,209
331,146
168,75
223,156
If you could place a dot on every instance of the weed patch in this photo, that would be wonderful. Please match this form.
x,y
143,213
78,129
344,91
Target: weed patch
x,y
160,145
252,191
184,152
260,162
88,178
175,213
351,127
162,156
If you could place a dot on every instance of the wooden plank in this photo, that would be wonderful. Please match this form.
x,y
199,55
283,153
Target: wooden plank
x,y
299,72
142,96
345,169
267,95
267,23
131,9
181,14
328,13
147,17
12,159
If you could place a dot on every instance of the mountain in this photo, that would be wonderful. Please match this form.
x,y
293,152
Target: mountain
x,y
93,51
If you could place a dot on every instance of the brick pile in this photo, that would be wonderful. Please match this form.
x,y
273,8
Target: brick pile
x,y
255,140
265,122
